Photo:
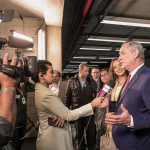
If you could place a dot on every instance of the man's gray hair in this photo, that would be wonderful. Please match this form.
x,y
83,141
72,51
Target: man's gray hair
x,y
135,45
82,65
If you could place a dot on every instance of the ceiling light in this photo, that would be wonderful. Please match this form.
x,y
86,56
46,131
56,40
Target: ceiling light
x,y
68,69
74,71
41,45
125,23
72,65
96,49
106,57
98,62
106,40
142,42
92,65
86,57
78,61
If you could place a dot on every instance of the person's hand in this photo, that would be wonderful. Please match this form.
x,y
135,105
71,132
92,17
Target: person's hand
x,y
97,102
123,119
105,103
6,81
60,122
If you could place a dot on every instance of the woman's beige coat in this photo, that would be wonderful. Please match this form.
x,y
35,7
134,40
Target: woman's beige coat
x,y
49,105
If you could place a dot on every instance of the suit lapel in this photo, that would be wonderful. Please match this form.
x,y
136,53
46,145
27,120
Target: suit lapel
x,y
133,80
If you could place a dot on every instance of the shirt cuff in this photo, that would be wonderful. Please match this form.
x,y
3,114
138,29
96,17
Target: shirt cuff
x,y
131,123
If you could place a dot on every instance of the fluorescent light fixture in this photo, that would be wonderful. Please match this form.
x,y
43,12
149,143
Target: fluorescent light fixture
x,y
143,42
106,57
64,71
78,62
72,65
106,40
84,57
68,69
21,36
117,50
98,62
122,23
96,49
92,65
74,71
41,45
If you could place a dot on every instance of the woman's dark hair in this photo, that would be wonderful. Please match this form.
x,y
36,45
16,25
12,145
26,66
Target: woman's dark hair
x,y
101,84
42,67
112,75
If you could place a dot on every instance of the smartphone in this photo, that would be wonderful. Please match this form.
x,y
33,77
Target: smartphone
x,y
51,123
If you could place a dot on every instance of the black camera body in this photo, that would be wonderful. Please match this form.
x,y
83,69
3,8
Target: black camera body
x,y
29,64
28,69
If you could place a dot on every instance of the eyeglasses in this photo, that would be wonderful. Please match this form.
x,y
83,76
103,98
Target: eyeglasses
x,y
104,75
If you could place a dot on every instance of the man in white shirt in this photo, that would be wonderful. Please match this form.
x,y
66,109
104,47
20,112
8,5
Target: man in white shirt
x,y
131,121
59,87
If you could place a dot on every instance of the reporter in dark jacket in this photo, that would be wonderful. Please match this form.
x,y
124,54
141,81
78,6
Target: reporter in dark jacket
x,y
80,91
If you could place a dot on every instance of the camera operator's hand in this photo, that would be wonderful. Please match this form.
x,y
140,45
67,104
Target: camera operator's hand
x,y
6,81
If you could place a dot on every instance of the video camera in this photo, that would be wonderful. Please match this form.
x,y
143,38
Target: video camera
x,y
17,40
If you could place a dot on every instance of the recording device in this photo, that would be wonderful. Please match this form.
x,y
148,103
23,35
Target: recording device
x,y
107,89
29,67
51,123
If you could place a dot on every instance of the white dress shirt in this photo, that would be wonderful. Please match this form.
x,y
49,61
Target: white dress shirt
x,y
55,88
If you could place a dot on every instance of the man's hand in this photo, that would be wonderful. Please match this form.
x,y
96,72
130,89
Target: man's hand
x,y
60,122
123,119
6,81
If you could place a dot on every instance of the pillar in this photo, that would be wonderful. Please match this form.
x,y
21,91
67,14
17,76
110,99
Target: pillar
x,y
54,51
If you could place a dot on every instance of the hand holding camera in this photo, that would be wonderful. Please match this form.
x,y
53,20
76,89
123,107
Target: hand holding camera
x,y
5,80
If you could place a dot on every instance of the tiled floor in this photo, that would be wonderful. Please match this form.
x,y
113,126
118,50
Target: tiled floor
x,y
30,143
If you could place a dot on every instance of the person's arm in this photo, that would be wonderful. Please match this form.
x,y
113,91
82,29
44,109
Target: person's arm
x,y
52,104
68,93
142,121
7,103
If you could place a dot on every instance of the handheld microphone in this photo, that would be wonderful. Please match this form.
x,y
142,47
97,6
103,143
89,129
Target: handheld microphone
x,y
107,89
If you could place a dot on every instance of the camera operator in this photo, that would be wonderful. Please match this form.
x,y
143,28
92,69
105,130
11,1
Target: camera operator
x,y
21,119
7,102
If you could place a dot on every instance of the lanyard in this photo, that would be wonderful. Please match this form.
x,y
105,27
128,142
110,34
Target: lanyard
x,y
20,91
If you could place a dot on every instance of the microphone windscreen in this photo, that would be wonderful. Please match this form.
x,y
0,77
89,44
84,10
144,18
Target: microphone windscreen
x,y
111,83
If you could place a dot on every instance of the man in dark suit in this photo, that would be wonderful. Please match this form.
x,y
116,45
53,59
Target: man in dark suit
x,y
59,87
131,130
